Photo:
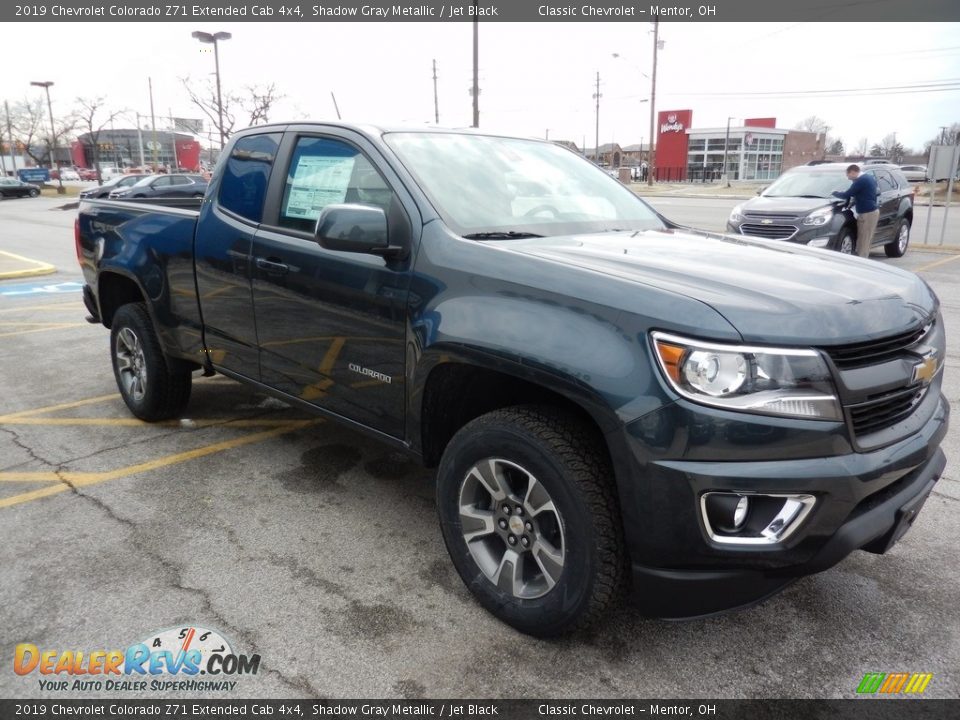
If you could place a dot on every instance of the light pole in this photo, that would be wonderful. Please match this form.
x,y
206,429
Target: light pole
x,y
618,56
214,39
726,145
53,134
653,99
476,66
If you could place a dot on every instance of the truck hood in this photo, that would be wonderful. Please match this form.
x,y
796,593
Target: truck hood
x,y
785,205
771,292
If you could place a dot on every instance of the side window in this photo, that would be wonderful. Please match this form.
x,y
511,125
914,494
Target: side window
x,y
885,183
245,175
324,171
179,180
164,181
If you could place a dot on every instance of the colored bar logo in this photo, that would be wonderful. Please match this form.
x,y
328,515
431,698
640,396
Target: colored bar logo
x,y
894,683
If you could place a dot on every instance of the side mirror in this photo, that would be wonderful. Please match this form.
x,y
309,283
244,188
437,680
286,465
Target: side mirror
x,y
353,228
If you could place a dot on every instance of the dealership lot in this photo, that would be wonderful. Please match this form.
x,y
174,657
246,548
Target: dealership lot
x,y
319,550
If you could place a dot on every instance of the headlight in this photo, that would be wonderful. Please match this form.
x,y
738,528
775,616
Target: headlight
x,y
771,381
819,217
736,215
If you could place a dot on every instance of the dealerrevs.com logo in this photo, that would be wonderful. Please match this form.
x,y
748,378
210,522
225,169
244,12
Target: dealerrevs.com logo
x,y
191,659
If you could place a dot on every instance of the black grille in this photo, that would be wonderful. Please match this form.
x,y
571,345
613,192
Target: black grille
x,y
874,352
885,411
775,232
774,218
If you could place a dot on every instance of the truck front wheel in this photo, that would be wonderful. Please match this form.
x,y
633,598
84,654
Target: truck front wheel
x,y
151,386
530,518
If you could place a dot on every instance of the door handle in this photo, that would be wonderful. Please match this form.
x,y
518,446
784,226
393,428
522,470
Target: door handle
x,y
271,266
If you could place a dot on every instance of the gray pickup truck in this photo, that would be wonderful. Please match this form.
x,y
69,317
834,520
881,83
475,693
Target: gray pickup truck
x,y
610,401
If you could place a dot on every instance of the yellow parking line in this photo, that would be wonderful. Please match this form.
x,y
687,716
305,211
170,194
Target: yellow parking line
x,y
48,306
937,263
134,422
60,406
84,479
20,323
59,326
39,267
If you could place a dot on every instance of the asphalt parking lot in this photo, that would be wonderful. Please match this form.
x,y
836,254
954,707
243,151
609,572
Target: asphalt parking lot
x,y
319,549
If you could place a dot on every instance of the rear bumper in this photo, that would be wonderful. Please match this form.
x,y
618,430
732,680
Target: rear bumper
x,y
91,304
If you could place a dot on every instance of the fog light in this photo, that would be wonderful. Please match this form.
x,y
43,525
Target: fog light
x,y
819,242
755,519
740,513
727,511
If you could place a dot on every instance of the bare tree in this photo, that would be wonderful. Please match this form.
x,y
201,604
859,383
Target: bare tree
x,y
26,123
259,102
87,114
254,103
812,124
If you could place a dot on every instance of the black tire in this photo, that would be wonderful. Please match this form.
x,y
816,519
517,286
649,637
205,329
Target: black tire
x,y
846,243
562,456
898,247
164,387
34,193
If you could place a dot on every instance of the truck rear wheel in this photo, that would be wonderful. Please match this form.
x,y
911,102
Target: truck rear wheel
x,y
530,519
150,384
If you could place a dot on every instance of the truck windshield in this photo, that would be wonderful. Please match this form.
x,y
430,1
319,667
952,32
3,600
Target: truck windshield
x,y
495,188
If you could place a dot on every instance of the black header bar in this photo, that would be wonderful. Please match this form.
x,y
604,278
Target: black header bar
x,y
851,11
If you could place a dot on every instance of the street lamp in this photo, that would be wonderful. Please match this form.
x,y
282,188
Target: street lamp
x,y
618,56
53,134
213,39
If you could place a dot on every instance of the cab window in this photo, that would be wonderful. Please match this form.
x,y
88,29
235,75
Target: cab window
x,y
243,185
326,171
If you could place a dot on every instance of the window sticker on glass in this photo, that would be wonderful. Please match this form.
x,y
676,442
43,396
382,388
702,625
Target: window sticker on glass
x,y
318,182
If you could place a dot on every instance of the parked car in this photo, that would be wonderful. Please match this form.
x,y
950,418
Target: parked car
x,y
164,186
69,175
798,208
914,173
87,174
118,182
11,187
606,396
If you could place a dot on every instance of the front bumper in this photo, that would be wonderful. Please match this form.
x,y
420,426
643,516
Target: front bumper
x,y
865,500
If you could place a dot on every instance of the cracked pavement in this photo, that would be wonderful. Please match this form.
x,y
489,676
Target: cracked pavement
x,y
319,550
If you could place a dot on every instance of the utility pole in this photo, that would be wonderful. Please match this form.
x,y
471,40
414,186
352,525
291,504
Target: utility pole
x,y
726,145
596,144
335,106
653,99
943,133
13,148
547,135
476,66
143,160
53,136
153,124
436,103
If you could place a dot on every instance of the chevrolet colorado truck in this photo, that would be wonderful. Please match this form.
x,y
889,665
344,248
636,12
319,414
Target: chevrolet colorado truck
x,y
611,402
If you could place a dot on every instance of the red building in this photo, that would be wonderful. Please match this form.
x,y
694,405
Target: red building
x,y
755,150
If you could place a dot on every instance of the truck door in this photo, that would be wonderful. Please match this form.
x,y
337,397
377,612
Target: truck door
x,y
332,324
225,231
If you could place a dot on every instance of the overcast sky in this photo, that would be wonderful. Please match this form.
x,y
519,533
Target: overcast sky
x,y
533,76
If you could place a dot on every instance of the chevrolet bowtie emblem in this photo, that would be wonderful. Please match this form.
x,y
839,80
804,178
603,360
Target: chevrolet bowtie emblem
x,y
925,370
766,222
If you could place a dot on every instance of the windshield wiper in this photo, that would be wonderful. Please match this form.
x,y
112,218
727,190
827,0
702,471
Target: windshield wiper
x,y
501,235
813,197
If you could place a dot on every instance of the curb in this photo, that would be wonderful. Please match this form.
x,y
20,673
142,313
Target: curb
x,y
39,268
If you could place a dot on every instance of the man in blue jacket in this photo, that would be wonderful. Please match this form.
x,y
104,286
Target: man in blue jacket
x,y
863,190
